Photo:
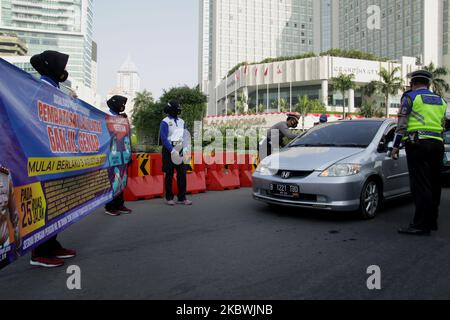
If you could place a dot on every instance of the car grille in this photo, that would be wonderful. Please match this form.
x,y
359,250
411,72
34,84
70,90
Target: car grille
x,y
302,198
293,174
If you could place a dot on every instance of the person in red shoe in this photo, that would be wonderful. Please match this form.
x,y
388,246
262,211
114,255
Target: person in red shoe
x,y
51,65
116,207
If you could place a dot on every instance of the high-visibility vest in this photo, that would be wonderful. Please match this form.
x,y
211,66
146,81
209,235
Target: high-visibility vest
x,y
427,115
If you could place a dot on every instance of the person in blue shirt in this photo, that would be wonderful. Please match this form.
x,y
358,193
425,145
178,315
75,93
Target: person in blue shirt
x,y
51,65
176,144
117,207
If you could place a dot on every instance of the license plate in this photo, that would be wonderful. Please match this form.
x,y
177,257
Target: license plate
x,y
285,190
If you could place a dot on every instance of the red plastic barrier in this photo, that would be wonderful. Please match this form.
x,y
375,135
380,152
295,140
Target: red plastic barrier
x,y
145,187
247,164
224,174
196,179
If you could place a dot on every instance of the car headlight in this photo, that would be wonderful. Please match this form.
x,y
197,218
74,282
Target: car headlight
x,y
265,170
342,170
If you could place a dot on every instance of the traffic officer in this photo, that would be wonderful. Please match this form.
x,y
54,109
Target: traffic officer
x,y
117,106
282,130
420,126
51,65
176,145
8,212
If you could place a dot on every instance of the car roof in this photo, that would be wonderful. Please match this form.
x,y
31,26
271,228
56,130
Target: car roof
x,y
375,120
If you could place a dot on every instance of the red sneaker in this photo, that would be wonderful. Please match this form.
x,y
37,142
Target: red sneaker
x,y
125,210
46,262
64,254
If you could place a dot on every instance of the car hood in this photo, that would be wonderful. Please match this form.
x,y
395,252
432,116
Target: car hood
x,y
312,158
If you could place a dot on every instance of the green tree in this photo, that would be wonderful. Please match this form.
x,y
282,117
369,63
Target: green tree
x,y
390,84
146,118
141,100
342,84
242,104
371,110
303,107
281,105
318,106
192,100
439,85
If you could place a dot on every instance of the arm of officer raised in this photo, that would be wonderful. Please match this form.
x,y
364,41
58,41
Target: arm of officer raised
x,y
285,131
164,133
402,126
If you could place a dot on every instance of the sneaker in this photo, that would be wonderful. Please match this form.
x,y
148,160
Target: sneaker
x,y
170,203
46,262
64,254
125,210
112,213
186,202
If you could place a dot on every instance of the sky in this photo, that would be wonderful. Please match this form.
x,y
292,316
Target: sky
x,y
160,35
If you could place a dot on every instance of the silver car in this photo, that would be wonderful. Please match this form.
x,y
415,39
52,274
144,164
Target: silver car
x,y
340,166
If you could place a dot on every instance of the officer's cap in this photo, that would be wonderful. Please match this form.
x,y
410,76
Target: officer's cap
x,y
293,116
421,74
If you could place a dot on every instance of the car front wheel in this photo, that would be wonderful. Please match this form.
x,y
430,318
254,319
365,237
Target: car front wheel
x,y
370,199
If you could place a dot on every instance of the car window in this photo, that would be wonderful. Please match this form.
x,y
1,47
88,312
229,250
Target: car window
x,y
340,134
447,137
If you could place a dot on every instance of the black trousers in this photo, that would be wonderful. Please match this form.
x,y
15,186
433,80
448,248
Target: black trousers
x,y
46,249
169,169
117,203
425,160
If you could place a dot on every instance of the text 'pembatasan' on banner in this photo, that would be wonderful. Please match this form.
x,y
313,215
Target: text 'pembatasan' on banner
x,y
60,159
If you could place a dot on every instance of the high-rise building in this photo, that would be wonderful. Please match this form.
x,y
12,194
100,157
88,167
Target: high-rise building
x,y
235,31
128,83
11,45
393,28
62,25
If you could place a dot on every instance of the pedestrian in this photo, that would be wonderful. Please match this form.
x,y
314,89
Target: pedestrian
x,y
116,207
176,145
421,126
282,130
51,65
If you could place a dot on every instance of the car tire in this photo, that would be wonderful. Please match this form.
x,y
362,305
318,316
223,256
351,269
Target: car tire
x,y
370,199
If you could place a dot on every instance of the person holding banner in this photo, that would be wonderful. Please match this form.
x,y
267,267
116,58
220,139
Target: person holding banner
x,y
117,207
51,65
8,212
174,137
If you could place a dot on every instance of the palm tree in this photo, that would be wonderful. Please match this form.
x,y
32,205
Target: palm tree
x,y
390,84
438,85
303,107
342,84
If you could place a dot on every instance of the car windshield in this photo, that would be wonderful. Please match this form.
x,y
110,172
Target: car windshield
x,y
345,134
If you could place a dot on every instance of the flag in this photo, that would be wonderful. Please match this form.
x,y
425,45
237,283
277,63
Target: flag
x,y
279,71
266,73
256,71
246,69
238,75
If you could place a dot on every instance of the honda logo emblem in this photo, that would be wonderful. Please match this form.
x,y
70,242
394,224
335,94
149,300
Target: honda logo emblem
x,y
285,175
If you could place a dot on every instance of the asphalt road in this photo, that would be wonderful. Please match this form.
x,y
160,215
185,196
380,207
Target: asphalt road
x,y
228,246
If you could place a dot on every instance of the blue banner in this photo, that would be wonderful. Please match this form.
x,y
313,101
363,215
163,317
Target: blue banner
x,y
60,159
